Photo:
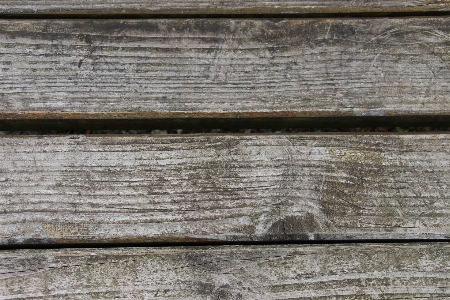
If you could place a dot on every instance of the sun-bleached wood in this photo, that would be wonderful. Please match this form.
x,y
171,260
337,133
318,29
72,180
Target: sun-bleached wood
x,y
353,271
219,7
82,189
282,67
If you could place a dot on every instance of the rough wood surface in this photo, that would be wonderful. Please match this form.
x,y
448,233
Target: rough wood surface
x,y
223,187
219,7
296,67
393,271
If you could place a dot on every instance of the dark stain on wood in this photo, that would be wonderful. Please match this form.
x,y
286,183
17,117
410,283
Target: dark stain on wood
x,y
295,225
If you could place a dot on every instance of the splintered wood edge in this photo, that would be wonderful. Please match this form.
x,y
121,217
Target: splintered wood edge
x,y
217,188
356,271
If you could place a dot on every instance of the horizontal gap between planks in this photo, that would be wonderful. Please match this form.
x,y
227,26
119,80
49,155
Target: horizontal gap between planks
x,y
162,131
218,243
226,121
208,15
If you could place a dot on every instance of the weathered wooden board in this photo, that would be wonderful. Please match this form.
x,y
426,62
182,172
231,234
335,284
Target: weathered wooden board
x,y
224,68
219,7
373,271
78,189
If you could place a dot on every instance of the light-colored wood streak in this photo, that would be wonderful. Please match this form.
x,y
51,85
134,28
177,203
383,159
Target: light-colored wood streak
x,y
223,187
390,271
219,7
362,67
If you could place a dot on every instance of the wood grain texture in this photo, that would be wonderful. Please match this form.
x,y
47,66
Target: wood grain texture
x,y
218,7
394,271
78,189
291,68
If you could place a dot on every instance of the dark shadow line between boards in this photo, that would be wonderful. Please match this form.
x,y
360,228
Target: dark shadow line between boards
x,y
220,243
432,123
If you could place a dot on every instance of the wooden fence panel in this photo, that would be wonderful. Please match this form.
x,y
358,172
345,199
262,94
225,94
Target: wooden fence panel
x,y
355,271
212,68
81,189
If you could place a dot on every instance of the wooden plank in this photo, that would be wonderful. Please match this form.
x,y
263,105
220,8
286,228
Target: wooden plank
x,y
377,271
211,68
219,7
78,189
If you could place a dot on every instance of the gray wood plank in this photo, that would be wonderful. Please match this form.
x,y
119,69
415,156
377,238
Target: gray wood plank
x,y
78,189
377,271
218,7
224,68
